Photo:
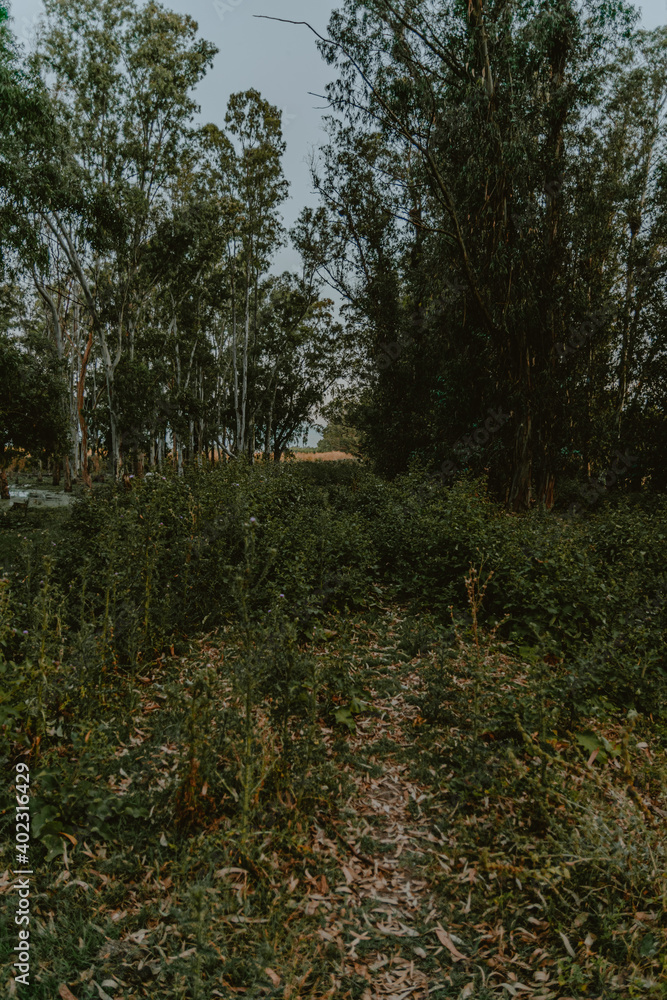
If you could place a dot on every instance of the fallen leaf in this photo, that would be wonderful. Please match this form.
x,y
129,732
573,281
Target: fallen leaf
x,y
467,991
103,995
273,976
138,936
444,938
568,947
66,993
163,841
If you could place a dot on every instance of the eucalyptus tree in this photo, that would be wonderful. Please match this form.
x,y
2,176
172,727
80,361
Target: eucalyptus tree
x,y
176,342
121,79
482,112
306,351
250,162
630,242
33,153
302,351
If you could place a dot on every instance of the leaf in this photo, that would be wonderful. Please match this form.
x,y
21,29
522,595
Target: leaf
x,y
138,936
445,939
568,947
590,741
102,994
344,716
273,976
467,991
163,841
649,946
66,993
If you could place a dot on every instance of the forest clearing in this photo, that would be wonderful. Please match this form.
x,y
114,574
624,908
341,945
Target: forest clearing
x,y
383,715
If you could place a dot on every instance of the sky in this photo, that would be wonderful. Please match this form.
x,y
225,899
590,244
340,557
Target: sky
x,y
279,60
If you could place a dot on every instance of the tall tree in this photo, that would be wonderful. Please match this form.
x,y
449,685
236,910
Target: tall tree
x,y
121,78
483,112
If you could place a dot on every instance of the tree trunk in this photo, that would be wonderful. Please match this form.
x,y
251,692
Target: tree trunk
x,y
55,479
4,485
546,488
546,479
68,476
178,455
244,384
87,481
520,491
267,436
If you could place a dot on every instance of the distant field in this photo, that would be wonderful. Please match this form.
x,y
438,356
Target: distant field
x,y
321,456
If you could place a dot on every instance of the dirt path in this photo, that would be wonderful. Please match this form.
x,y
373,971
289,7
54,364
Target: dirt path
x,y
382,894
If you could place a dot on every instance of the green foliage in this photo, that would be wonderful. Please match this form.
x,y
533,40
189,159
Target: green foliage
x,y
337,437
171,667
32,393
138,572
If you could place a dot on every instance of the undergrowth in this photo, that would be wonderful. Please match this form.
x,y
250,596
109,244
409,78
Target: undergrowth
x,y
172,656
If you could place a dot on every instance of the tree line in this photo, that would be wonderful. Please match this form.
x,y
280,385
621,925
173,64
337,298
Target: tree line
x,y
492,214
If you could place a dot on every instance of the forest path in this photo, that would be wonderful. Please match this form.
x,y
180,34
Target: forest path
x,y
382,915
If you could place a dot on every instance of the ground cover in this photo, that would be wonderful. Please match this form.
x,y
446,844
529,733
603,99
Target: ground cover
x,y
388,856
332,793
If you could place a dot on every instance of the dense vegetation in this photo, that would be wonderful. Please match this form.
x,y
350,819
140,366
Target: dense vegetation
x,y
220,633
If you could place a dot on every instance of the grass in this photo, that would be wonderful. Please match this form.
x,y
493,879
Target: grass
x,y
153,885
227,810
